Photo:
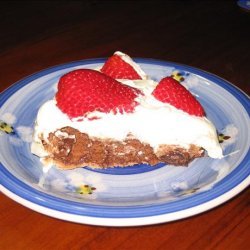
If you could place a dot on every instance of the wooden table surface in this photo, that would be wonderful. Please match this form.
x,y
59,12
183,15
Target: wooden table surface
x,y
211,35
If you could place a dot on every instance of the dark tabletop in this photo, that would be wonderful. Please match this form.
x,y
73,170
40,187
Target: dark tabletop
x,y
210,35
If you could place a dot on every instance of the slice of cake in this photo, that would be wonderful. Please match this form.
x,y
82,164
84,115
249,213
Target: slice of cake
x,y
117,116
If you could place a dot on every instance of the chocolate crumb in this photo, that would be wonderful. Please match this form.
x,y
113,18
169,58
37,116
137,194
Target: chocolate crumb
x,y
78,150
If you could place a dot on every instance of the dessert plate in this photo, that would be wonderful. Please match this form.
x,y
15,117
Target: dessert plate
x,y
138,195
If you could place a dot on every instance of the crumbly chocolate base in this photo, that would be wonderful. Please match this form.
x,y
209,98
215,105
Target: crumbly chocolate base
x,y
68,148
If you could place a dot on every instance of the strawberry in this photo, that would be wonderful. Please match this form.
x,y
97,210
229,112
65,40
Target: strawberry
x,y
85,90
117,68
171,91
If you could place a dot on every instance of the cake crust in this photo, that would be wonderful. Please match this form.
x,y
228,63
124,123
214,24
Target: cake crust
x,y
68,148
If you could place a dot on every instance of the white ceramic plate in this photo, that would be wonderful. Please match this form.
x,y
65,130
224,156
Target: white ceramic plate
x,y
137,195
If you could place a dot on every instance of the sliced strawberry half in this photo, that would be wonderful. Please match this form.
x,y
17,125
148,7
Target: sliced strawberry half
x,y
83,91
117,68
171,91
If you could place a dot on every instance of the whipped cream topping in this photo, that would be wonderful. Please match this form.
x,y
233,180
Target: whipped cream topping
x,y
152,122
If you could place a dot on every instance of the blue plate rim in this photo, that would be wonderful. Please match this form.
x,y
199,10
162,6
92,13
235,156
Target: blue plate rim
x,y
19,188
